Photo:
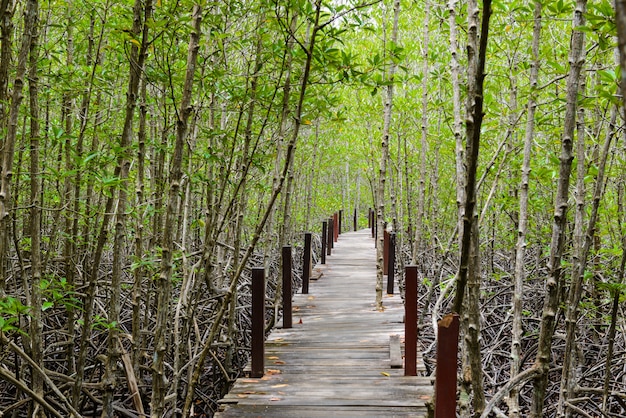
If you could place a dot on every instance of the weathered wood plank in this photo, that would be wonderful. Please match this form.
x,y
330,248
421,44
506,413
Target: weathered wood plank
x,y
336,360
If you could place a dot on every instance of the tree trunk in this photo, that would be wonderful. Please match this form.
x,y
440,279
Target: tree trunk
x,y
384,159
421,185
469,265
8,149
141,14
457,123
35,303
575,293
552,299
520,248
164,281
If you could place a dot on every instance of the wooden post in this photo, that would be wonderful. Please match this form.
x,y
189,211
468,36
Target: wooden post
x,y
335,227
373,224
287,277
306,265
324,239
385,252
331,234
410,321
257,368
391,265
447,353
340,221
355,221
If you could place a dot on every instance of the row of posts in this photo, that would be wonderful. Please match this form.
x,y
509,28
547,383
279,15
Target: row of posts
x,y
448,327
330,234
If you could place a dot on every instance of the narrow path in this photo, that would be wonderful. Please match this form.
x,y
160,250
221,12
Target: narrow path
x,y
335,360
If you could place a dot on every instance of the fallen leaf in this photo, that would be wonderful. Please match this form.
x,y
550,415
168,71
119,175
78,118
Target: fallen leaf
x,y
272,358
385,374
295,309
241,396
279,362
249,392
311,298
272,371
282,385
274,399
300,321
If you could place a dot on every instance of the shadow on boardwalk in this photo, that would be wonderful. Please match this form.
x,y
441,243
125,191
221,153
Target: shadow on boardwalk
x,y
335,360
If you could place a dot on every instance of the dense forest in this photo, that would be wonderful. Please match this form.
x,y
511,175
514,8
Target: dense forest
x,y
153,151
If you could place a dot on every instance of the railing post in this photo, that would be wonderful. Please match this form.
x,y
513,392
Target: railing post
x,y
335,227
354,221
391,266
447,353
385,252
410,321
257,368
373,223
324,239
306,265
287,277
331,234
340,221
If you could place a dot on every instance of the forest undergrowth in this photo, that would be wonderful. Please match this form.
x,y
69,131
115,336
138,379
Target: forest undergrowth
x,y
437,271
228,360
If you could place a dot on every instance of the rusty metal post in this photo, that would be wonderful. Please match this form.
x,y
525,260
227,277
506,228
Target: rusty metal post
x,y
287,280
391,265
385,252
372,222
324,239
447,353
354,221
335,227
331,234
257,368
340,221
410,321
306,265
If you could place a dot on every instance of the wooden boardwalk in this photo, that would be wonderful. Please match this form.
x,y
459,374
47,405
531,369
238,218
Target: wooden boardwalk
x,y
335,360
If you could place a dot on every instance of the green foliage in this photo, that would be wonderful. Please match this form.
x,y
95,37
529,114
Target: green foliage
x,y
58,292
11,309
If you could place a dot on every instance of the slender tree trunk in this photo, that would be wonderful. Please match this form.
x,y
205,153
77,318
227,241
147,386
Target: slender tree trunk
x,y
141,13
552,299
421,185
8,149
164,285
384,160
469,267
520,248
575,294
457,124
36,322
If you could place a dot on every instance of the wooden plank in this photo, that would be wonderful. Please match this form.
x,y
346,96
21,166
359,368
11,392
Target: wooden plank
x,y
337,359
395,354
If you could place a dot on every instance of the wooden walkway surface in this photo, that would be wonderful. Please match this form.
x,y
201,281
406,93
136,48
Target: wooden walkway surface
x,y
335,360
